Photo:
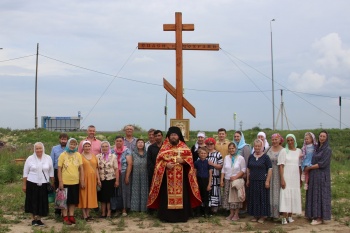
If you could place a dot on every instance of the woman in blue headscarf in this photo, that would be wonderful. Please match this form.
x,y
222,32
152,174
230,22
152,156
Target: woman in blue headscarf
x,y
70,175
289,166
244,150
232,171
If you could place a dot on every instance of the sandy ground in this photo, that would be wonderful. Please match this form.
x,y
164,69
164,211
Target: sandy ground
x,y
144,223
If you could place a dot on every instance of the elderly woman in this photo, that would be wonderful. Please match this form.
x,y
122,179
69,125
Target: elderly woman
x,y
318,195
109,177
289,166
259,173
88,195
215,160
124,159
70,175
233,169
262,137
37,170
139,186
275,184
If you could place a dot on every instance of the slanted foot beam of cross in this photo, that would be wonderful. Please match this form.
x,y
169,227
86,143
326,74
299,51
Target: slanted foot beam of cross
x,y
178,46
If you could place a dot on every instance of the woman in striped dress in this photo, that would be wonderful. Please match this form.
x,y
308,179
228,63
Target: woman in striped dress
x,y
215,160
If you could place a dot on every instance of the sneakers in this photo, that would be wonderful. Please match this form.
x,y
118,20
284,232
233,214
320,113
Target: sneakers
x,y
284,221
71,219
290,219
40,223
66,221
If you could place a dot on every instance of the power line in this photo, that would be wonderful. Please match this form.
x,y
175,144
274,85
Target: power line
x,y
17,58
283,87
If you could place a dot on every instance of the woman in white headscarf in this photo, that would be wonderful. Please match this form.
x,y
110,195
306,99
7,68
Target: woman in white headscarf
x,y
37,173
262,137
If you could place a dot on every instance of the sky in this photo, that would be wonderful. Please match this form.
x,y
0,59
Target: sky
x,y
89,62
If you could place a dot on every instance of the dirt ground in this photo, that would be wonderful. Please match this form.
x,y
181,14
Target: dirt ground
x,y
143,223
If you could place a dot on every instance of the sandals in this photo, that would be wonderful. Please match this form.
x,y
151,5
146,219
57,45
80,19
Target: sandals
x,y
315,222
261,220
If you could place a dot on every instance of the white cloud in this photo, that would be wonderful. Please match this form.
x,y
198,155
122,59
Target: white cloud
x,y
308,81
332,52
311,81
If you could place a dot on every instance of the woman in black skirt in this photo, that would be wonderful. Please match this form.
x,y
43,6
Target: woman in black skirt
x,y
37,173
109,176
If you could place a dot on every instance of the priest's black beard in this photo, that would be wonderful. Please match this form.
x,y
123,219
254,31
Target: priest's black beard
x,y
174,142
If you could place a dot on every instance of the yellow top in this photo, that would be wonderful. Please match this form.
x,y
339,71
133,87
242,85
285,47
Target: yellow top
x,y
70,167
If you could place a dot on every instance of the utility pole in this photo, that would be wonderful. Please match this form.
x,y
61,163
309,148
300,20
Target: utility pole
x,y
340,112
234,120
36,87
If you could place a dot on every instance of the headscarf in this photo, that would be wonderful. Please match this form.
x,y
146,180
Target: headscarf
x,y
295,142
118,152
84,142
200,134
210,140
235,154
277,135
39,165
314,141
265,142
177,130
68,144
106,154
241,143
136,150
325,144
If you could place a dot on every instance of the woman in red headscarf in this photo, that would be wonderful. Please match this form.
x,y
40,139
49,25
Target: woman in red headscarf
x,y
215,160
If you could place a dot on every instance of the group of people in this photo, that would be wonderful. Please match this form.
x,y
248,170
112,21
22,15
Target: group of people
x,y
266,180
176,181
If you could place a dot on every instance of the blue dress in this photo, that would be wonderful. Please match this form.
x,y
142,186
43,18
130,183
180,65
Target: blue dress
x,y
139,186
259,196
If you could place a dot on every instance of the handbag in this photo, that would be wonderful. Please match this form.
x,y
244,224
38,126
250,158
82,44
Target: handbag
x,y
61,199
117,199
49,187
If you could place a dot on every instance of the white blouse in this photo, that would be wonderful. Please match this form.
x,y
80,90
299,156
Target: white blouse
x,y
31,172
229,170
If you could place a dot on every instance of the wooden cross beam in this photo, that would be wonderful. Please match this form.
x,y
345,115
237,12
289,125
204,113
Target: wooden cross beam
x,y
178,46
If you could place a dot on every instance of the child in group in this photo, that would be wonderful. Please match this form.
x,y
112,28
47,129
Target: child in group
x,y
204,173
308,151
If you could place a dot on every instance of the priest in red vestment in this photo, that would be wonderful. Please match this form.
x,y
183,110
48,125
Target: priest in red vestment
x,y
174,189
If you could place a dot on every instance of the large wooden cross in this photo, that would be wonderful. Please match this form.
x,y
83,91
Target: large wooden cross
x,y
177,92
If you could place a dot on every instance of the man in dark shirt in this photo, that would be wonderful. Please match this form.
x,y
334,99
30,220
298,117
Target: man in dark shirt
x,y
152,153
